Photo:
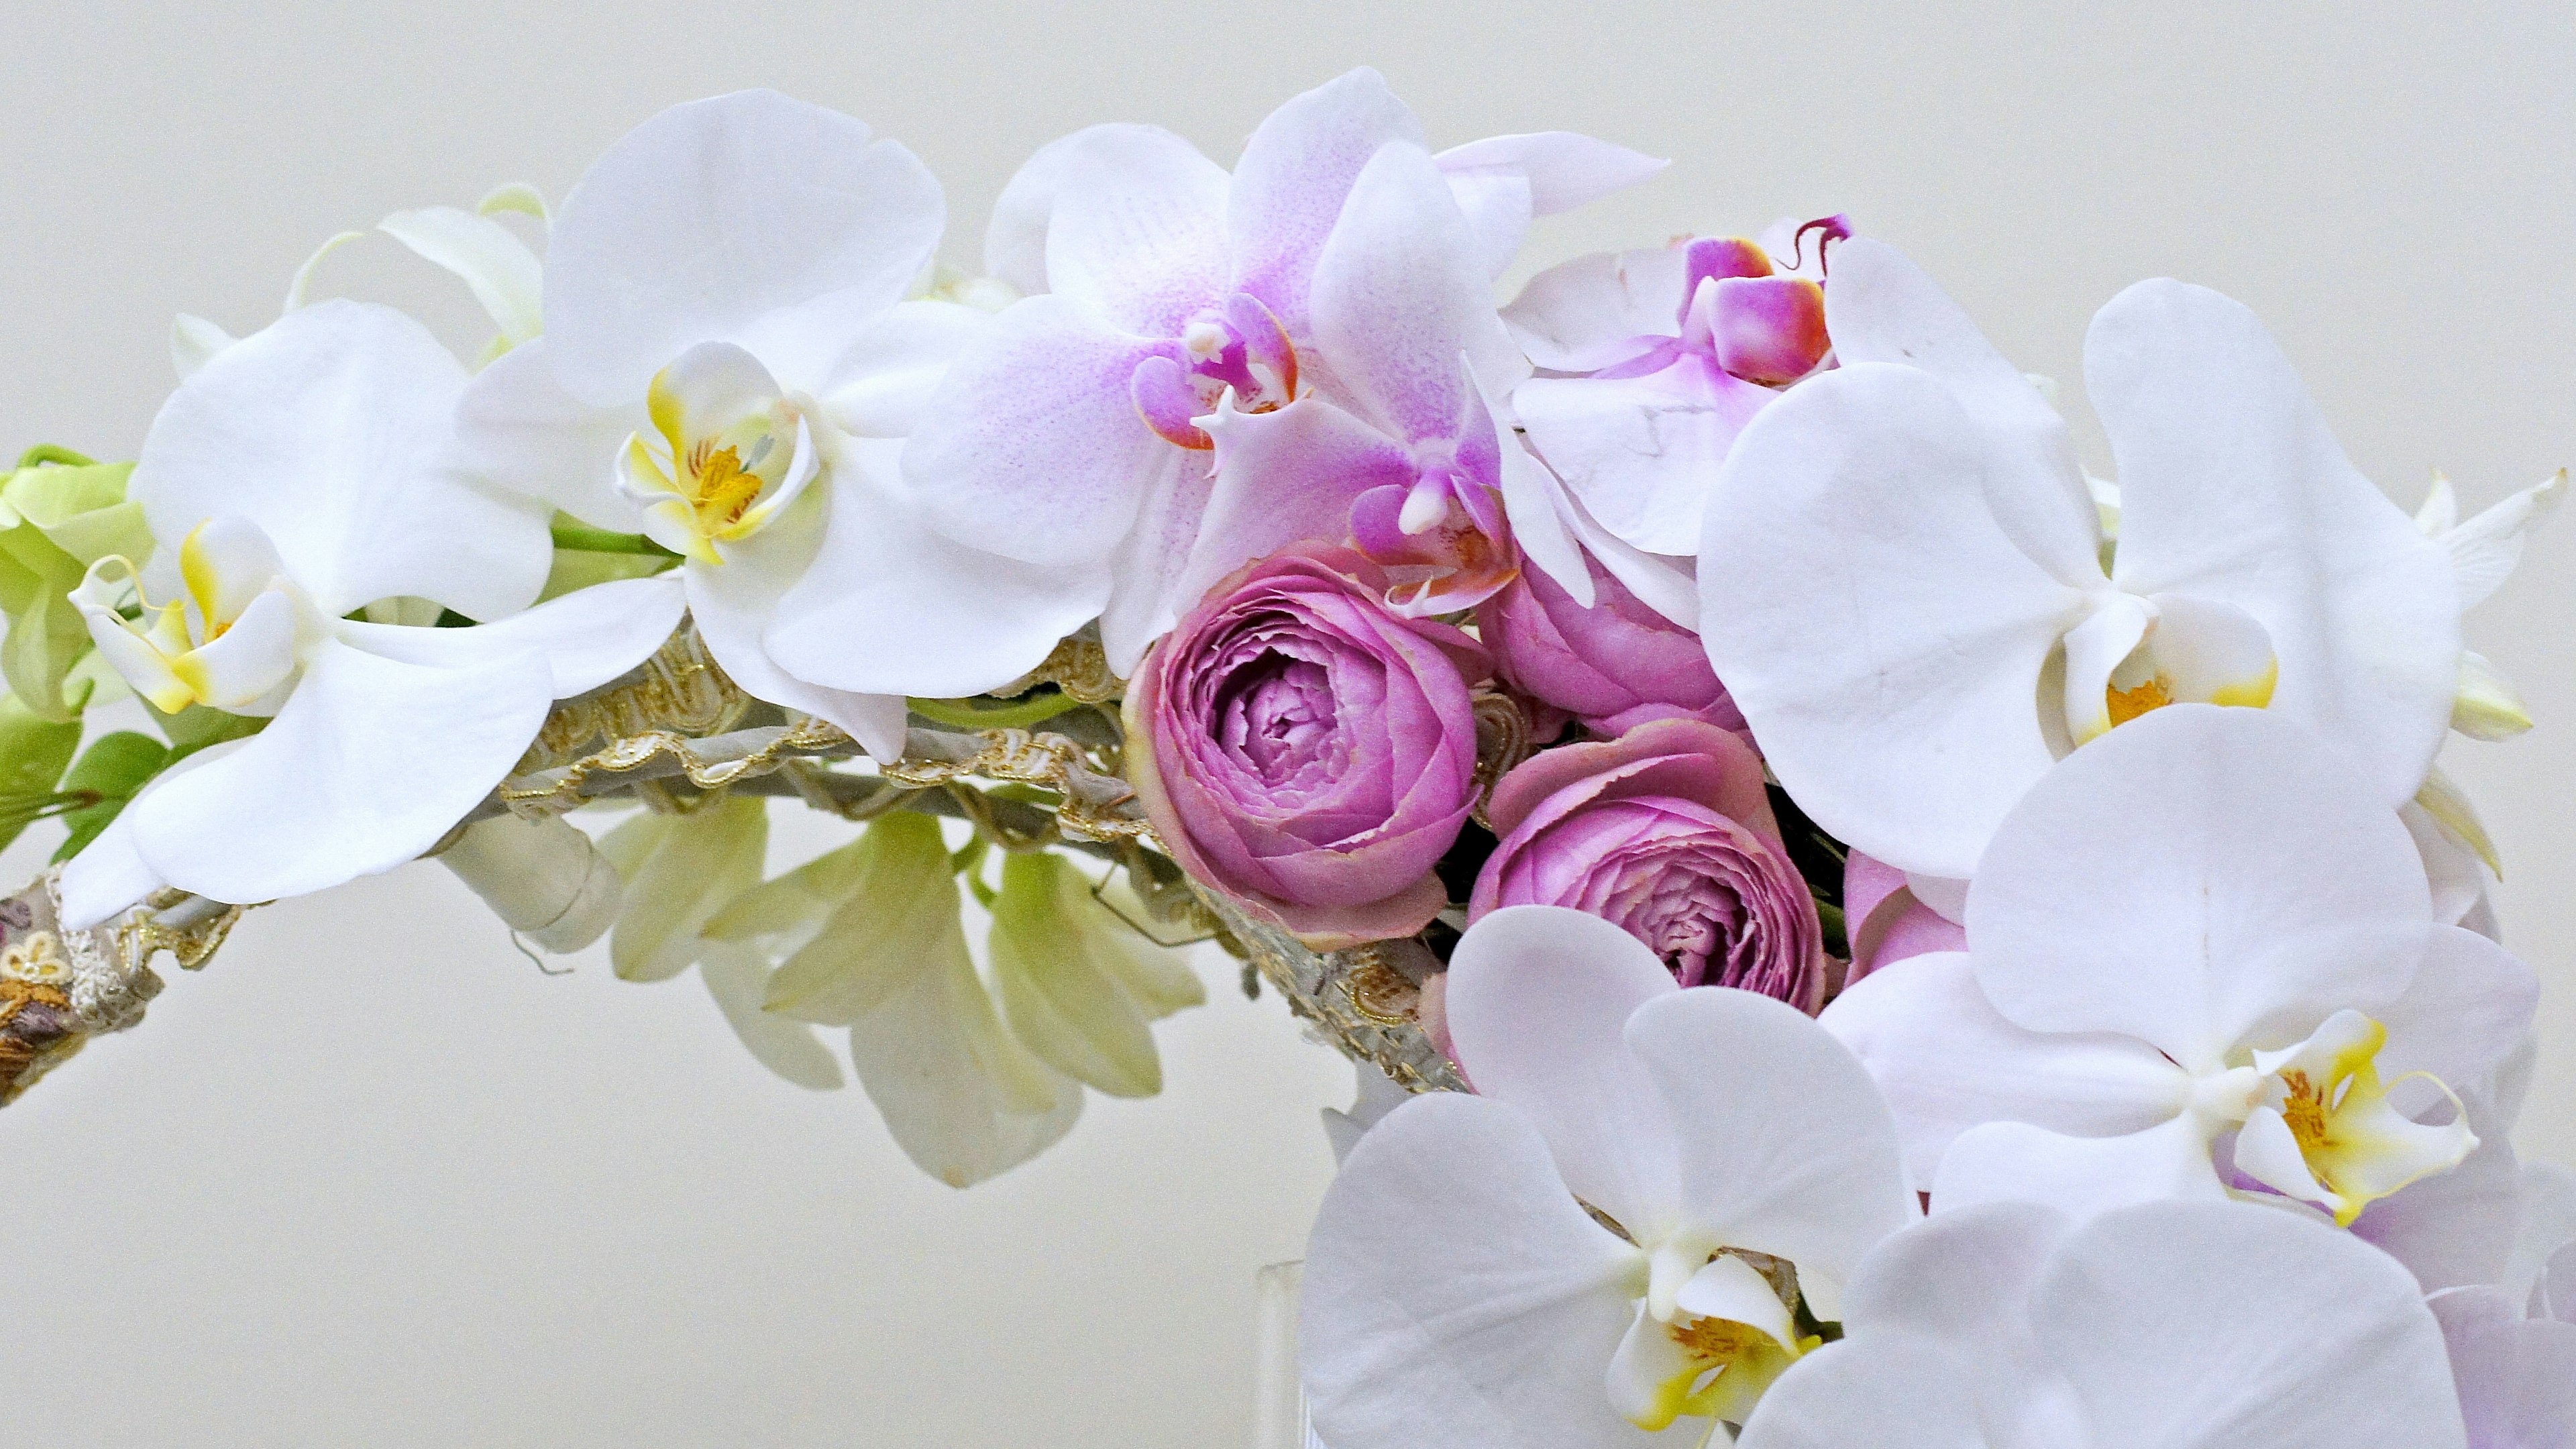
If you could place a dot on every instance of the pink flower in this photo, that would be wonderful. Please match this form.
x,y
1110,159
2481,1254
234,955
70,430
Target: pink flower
x,y
1666,833
1613,666
1887,921
1300,747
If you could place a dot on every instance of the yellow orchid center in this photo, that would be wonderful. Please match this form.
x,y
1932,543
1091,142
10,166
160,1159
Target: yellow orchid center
x,y
726,452
1731,1365
2128,704
2351,1144
229,640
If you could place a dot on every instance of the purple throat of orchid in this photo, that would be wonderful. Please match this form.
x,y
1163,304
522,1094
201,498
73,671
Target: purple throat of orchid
x,y
1239,347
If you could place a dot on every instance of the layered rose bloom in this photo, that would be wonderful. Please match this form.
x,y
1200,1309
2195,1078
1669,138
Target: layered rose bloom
x,y
1611,667
1666,833
1305,750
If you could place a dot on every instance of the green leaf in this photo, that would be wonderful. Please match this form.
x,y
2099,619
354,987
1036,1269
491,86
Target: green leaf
x,y
46,635
81,510
116,766
34,751
579,570
194,728
976,714
782,916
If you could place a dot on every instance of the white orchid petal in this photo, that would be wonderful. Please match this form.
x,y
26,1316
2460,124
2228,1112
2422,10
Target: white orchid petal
x,y
889,607
2082,1176
1293,177
2306,1340
1533,502
1538,1001
737,977
1032,446
2455,1228
1880,629
587,637
1947,1061
2450,807
1146,574
734,602
518,427
2278,890
109,875
1731,1289
1566,169
1496,203
2095,650
2484,550
882,378
1965,1277
1642,451
2469,1003
330,431
495,265
2516,1377
366,766
254,656
2234,490
1602,309
1492,1333
1897,1390
716,213
2210,652
2486,706
1136,230
193,341
697,863
1785,1145
1883,308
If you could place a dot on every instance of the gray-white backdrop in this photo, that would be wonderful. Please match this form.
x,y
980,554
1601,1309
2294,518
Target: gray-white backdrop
x,y
372,1180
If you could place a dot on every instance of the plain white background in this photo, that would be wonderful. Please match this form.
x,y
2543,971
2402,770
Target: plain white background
x,y
372,1180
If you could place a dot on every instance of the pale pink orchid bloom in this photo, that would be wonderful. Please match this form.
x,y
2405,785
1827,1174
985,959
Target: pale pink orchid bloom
x,y
1077,433
1658,358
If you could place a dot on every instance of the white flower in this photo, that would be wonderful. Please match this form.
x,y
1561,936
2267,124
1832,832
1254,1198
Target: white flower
x,y
2164,1326
1907,590
298,477
2203,924
1458,1293
726,365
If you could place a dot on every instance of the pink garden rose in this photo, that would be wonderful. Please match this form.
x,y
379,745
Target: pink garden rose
x,y
1302,748
1666,833
1612,667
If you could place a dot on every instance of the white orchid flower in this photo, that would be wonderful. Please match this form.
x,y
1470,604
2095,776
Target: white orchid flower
x,y
1907,590
300,476
2162,1326
726,360
2203,925
1072,436
1459,1293
2483,552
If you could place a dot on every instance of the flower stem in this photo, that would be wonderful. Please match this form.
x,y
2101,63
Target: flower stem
x,y
1019,714
580,538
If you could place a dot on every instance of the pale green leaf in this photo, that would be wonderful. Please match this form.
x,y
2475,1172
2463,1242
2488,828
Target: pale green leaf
x,y
1052,967
895,918
737,977
704,859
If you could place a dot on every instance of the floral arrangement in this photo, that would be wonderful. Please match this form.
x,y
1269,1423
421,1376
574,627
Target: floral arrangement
x,y
1886,937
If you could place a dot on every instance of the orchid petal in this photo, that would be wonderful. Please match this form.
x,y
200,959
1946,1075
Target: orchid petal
x,y
1642,452
366,766
2094,650
1948,1062
1882,308
1600,310
888,372
2484,550
2516,1377
2234,490
1399,292
1534,502
1878,626
518,427
109,875
889,607
1282,477
736,978
1032,446
1788,1148
2083,1176
1136,231
193,343
2278,891
329,430
2469,1003
698,862
1145,597
1291,180
495,265
1566,169
2308,1340
587,637
732,604
1538,1001
1896,1391
1490,1334
716,213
